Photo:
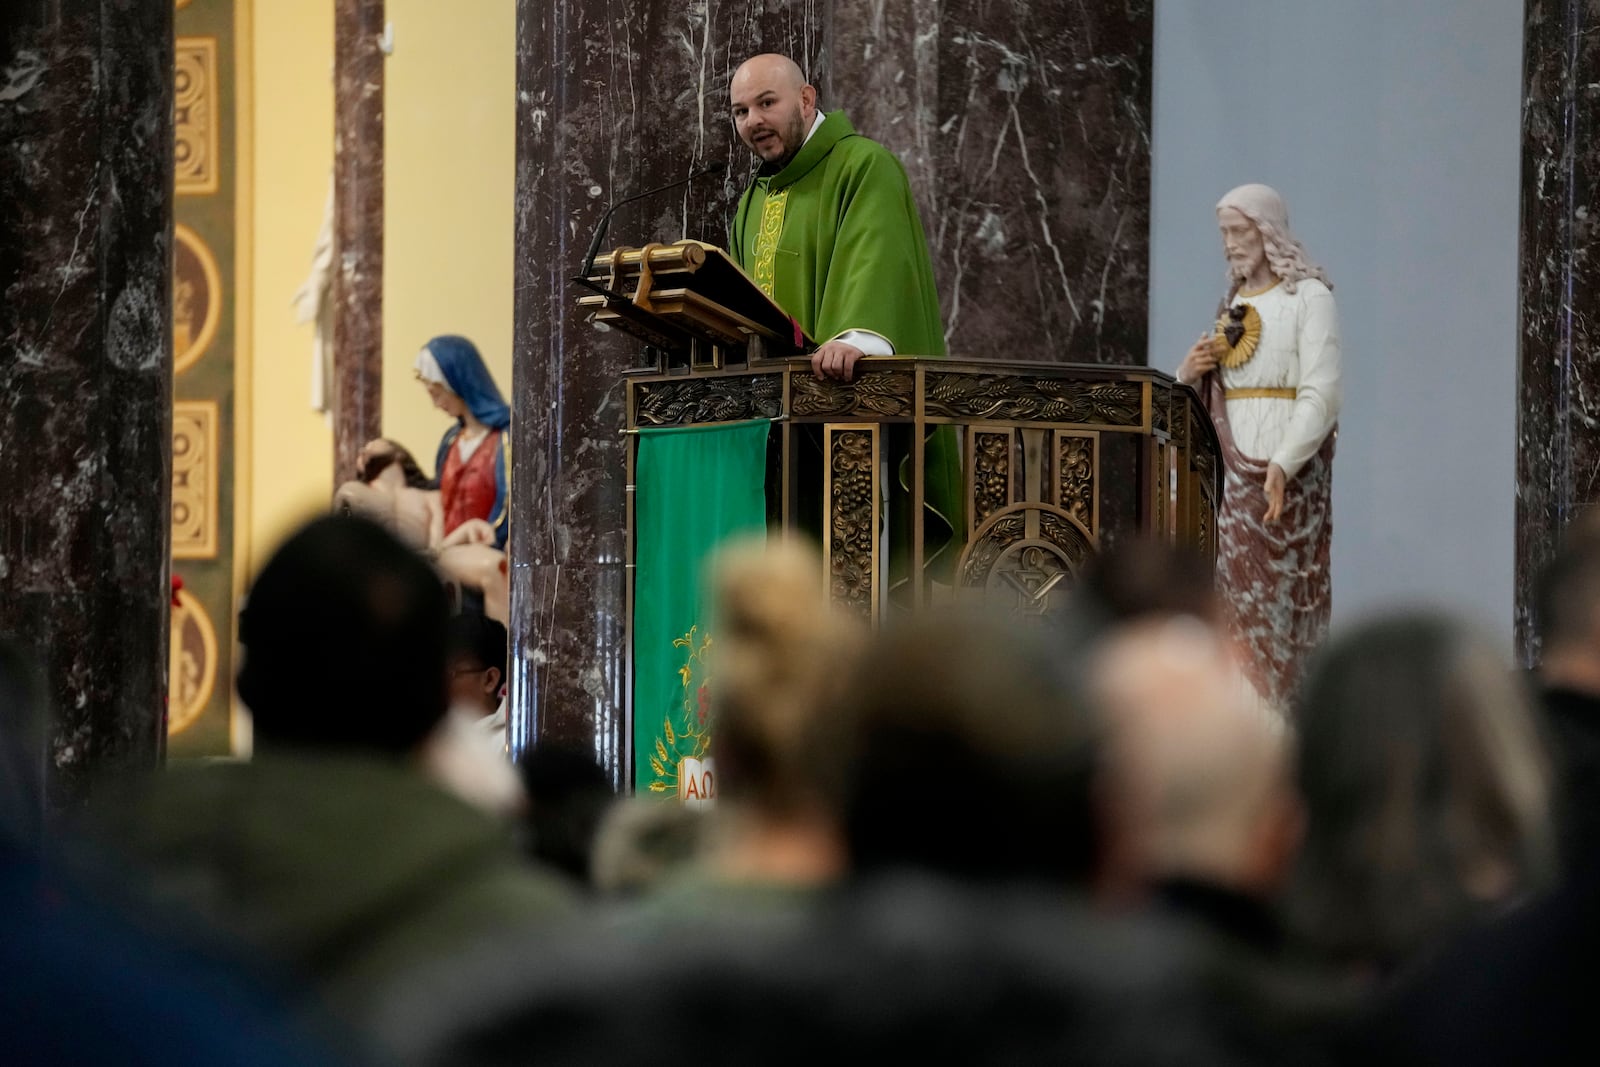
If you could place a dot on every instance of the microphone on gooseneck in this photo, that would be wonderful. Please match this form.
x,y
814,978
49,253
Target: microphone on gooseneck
x,y
605,220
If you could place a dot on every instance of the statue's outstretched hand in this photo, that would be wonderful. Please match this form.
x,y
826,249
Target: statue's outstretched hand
x,y
1274,487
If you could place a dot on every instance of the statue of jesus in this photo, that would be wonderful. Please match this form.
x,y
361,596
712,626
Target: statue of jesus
x,y
1269,376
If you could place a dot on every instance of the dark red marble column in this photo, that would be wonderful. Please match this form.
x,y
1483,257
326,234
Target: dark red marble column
x,y
1558,430
358,230
86,150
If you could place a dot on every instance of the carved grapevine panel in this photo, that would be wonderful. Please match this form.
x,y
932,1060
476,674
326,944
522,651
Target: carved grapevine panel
x,y
852,520
1075,464
991,474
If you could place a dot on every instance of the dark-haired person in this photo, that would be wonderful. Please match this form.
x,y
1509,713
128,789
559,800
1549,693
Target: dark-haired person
x,y
467,753
330,854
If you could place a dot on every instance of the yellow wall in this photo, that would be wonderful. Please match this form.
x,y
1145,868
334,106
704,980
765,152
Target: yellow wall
x,y
449,161
449,178
291,448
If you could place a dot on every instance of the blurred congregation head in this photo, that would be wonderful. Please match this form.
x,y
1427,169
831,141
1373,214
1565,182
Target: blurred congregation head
x,y
1196,783
476,662
968,752
1567,604
779,649
344,641
1425,787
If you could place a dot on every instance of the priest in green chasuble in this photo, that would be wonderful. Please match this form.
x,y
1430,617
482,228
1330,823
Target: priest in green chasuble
x,y
829,228
830,231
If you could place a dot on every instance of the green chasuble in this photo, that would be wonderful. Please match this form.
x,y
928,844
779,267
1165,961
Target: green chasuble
x,y
835,239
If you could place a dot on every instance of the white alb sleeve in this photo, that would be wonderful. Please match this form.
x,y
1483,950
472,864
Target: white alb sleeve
x,y
871,344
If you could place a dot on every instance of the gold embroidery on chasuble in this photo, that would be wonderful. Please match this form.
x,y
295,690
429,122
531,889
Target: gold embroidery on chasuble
x,y
767,241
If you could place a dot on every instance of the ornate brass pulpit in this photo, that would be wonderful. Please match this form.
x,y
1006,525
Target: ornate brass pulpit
x,y
1058,459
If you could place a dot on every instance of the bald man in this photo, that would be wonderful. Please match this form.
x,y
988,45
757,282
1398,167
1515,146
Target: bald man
x,y
829,228
1196,778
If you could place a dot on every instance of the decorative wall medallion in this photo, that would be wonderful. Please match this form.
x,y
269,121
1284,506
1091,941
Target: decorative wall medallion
x,y
194,479
195,116
192,670
196,298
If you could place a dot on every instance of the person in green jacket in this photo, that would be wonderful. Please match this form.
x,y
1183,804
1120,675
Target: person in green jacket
x,y
829,230
330,857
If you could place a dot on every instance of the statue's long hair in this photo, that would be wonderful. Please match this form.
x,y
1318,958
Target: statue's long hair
x,y
1287,257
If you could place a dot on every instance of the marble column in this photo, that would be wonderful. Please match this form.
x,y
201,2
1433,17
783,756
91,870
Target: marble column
x,y
1024,128
86,157
358,230
1558,429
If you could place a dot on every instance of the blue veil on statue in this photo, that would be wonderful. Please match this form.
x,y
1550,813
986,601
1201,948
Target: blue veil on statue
x,y
465,375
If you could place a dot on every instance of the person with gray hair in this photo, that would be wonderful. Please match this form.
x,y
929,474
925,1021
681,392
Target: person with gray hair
x,y
1269,374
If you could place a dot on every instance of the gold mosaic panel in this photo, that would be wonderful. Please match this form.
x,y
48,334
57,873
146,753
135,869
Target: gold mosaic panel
x,y
194,479
196,116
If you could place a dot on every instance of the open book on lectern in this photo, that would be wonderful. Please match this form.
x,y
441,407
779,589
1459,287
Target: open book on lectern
x,y
672,295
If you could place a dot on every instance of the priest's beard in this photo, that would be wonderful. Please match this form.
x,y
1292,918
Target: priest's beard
x,y
793,134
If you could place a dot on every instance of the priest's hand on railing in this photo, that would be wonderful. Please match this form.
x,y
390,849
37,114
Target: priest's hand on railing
x,y
1274,488
836,359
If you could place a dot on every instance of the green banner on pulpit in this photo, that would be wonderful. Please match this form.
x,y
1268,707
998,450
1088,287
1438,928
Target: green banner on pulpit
x,y
697,487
